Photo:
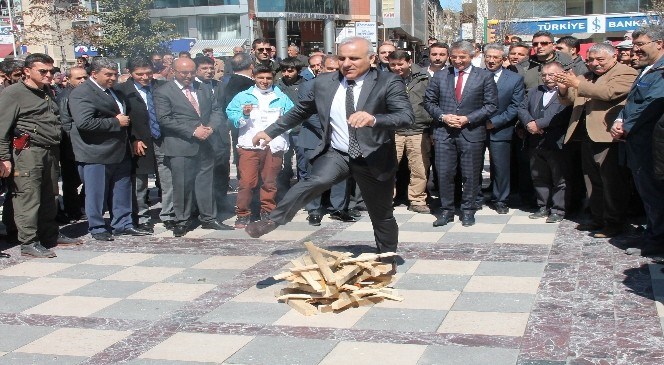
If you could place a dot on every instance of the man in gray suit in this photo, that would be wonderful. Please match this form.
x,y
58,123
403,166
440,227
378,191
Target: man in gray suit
x,y
188,117
358,139
461,100
101,147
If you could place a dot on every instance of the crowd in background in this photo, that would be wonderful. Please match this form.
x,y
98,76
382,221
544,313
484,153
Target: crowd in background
x,y
565,134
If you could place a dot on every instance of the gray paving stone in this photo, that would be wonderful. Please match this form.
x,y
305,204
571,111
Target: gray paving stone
x,y
17,336
468,237
173,260
457,355
662,321
84,271
17,358
110,288
397,319
73,257
354,236
432,282
15,303
658,288
203,276
247,312
423,227
235,234
138,309
493,219
502,268
530,228
167,362
541,362
8,282
264,350
494,302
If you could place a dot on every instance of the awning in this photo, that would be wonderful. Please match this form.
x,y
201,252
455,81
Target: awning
x,y
220,47
181,44
6,50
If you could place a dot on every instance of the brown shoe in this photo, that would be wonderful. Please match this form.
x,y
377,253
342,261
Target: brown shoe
x,y
259,228
419,209
608,232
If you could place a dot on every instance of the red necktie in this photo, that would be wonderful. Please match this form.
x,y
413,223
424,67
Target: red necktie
x,y
459,85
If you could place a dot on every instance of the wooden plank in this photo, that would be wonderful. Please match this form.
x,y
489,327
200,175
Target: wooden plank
x,y
370,269
317,256
346,261
308,276
346,273
343,301
303,307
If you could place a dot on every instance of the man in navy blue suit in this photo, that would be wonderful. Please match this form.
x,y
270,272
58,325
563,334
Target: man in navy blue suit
x,y
461,100
500,126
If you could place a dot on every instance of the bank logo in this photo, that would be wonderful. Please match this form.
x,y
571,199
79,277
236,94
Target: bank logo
x,y
597,24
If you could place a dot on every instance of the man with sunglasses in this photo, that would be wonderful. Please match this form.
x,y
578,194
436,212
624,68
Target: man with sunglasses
x,y
262,53
27,107
545,53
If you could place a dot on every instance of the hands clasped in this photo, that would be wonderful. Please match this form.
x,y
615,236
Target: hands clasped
x,y
455,121
202,132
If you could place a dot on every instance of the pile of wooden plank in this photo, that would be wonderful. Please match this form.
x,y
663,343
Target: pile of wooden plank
x,y
328,281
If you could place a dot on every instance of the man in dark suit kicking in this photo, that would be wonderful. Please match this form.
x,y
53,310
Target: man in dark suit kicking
x,y
359,109
188,117
500,126
101,146
461,100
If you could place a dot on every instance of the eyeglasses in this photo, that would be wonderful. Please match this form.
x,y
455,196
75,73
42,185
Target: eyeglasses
x,y
263,49
543,44
640,44
44,72
186,72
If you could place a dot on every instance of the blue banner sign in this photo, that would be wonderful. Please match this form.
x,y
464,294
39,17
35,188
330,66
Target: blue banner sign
x,y
586,24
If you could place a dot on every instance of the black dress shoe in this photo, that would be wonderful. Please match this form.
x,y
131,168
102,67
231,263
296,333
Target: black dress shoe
x,y
343,216
259,228
314,219
446,217
354,213
169,225
542,212
467,219
131,231
4,255
179,230
68,241
145,227
501,208
103,236
216,226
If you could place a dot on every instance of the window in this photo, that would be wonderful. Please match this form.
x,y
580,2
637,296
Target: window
x,y
622,6
181,25
218,27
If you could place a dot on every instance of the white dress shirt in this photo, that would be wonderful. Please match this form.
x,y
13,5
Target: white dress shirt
x,y
117,101
338,121
191,89
496,74
548,95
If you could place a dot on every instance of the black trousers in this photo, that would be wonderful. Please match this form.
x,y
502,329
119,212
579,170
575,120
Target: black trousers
x,y
332,167
547,168
470,155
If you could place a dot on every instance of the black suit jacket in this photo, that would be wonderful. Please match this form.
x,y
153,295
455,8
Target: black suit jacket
x,y
479,101
139,129
97,136
178,118
554,119
383,95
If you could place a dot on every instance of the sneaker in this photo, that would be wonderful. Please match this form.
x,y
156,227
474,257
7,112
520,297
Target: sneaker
x,y
541,213
35,249
419,209
241,222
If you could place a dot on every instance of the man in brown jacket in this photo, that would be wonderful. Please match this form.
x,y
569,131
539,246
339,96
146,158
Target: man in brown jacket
x,y
598,96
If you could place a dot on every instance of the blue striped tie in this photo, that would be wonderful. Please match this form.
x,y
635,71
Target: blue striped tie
x,y
154,124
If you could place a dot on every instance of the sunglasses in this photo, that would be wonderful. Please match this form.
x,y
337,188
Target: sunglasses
x,y
44,72
543,44
264,49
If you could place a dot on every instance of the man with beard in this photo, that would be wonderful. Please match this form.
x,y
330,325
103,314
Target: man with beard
x,y
438,55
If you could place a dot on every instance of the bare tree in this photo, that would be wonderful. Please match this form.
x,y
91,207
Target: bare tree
x,y
655,12
505,11
58,23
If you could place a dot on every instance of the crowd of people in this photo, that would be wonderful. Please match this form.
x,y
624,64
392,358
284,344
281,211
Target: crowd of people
x,y
364,128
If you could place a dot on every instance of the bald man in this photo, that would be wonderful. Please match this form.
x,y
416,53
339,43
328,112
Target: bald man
x,y
187,118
